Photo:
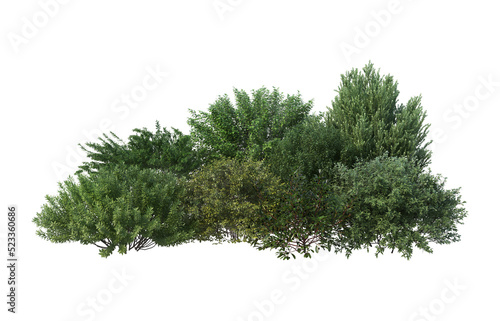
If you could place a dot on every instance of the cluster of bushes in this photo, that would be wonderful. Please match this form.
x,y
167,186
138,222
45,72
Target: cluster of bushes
x,y
264,170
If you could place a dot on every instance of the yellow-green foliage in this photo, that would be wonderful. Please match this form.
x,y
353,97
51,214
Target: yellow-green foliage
x,y
225,197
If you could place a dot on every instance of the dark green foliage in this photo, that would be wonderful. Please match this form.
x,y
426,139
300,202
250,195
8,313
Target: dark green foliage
x,y
117,207
248,129
159,150
309,148
224,200
397,207
266,172
367,115
306,216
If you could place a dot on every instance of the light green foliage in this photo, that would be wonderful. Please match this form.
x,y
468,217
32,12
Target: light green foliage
x,y
117,207
158,150
248,129
223,198
397,207
367,115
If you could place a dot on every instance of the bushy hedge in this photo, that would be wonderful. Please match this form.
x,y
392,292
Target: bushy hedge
x,y
265,171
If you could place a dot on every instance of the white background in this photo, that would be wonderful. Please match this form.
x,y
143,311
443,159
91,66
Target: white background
x,y
59,84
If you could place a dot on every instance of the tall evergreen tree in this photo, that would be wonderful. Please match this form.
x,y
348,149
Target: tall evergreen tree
x,y
367,115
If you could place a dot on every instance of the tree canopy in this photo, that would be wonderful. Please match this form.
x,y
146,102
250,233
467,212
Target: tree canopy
x,y
267,172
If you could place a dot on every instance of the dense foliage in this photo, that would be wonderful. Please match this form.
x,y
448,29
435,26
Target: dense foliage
x,y
307,216
118,207
371,122
308,148
158,150
224,198
248,129
397,207
266,172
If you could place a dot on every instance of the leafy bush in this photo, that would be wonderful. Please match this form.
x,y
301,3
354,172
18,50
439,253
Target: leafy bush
x,y
158,150
266,172
247,130
118,207
223,198
309,148
398,207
